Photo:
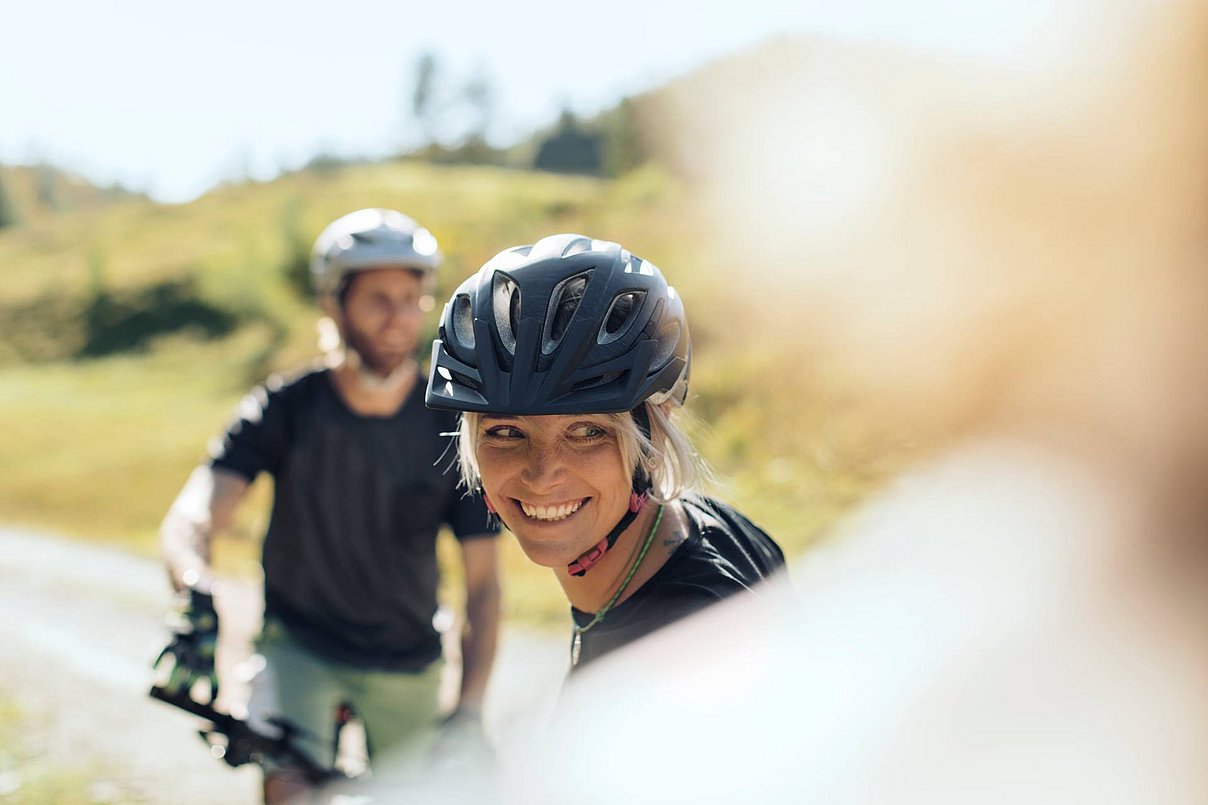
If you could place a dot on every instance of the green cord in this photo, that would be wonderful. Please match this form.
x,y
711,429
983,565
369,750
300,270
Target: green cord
x,y
628,576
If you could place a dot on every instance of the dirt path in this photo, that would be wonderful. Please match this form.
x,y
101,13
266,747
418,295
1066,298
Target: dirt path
x,y
79,626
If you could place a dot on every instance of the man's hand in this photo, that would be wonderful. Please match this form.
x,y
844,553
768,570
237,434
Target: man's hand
x,y
194,639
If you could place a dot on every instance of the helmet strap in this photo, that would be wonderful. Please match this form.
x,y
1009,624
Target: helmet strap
x,y
584,563
637,499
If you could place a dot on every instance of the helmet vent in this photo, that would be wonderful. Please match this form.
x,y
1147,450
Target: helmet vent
x,y
668,339
636,265
463,321
600,380
465,381
578,246
505,297
423,242
563,303
621,316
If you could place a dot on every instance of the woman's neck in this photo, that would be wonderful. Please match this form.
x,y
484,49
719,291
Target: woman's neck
x,y
592,590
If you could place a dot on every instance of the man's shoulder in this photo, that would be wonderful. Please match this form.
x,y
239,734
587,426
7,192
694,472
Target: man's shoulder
x,y
298,379
293,385
278,393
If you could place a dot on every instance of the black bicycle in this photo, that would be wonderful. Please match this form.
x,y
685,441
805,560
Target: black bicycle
x,y
235,741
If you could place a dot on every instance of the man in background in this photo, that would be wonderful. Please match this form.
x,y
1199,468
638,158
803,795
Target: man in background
x,y
363,482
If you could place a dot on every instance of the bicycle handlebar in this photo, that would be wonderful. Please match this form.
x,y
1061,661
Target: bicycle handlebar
x,y
243,744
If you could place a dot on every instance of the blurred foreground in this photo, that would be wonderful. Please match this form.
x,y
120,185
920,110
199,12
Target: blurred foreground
x,y
1014,251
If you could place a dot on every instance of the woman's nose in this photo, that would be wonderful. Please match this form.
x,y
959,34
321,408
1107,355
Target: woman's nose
x,y
544,469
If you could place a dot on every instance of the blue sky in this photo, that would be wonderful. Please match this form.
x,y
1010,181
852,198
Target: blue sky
x,y
172,97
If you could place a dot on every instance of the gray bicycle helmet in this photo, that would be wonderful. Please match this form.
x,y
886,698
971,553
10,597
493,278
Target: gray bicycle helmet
x,y
368,239
568,325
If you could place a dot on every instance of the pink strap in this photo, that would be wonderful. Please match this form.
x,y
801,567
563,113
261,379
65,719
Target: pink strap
x,y
585,562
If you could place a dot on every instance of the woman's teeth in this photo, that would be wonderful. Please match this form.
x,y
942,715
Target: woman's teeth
x,y
551,513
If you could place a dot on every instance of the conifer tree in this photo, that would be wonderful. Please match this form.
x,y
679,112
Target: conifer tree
x,y
8,208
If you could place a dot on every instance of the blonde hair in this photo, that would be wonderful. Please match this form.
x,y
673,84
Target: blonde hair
x,y
667,455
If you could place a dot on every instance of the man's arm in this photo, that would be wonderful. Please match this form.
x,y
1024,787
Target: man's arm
x,y
205,505
481,631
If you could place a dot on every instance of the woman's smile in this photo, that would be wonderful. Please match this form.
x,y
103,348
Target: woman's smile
x,y
559,481
551,512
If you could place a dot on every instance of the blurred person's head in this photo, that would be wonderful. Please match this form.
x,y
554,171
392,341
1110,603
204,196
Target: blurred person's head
x,y
568,359
373,271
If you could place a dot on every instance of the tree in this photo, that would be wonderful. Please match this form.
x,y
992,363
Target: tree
x,y
624,139
423,96
46,186
479,96
9,215
570,149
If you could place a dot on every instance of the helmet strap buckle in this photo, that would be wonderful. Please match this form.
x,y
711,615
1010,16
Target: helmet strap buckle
x,y
592,557
585,562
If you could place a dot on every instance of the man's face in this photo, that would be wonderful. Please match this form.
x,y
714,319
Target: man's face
x,y
381,316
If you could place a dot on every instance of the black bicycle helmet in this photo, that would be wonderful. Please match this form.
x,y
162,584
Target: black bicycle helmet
x,y
568,325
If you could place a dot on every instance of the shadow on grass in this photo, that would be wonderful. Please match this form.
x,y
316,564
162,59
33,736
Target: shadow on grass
x,y
59,327
114,323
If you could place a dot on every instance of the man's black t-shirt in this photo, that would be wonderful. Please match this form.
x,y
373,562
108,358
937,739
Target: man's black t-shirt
x,y
724,553
350,554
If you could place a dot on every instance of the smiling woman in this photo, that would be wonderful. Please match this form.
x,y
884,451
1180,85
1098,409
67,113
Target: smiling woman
x,y
560,479
568,359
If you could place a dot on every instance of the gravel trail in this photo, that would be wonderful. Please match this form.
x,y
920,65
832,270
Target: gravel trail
x,y
79,626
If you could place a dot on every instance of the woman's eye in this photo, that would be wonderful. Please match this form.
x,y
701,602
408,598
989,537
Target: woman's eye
x,y
503,432
588,431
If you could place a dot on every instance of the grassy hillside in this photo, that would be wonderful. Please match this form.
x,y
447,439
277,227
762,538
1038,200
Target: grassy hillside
x,y
129,330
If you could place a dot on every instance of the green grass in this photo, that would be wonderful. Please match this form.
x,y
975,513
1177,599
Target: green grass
x,y
101,447
98,447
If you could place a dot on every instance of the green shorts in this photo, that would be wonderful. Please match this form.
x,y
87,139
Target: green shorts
x,y
398,710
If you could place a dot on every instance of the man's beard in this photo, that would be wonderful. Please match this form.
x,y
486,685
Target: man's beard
x,y
369,361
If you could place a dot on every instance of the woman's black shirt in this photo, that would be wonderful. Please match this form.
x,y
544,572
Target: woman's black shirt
x,y
723,553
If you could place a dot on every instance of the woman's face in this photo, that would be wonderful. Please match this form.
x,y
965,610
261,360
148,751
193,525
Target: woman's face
x,y
558,482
